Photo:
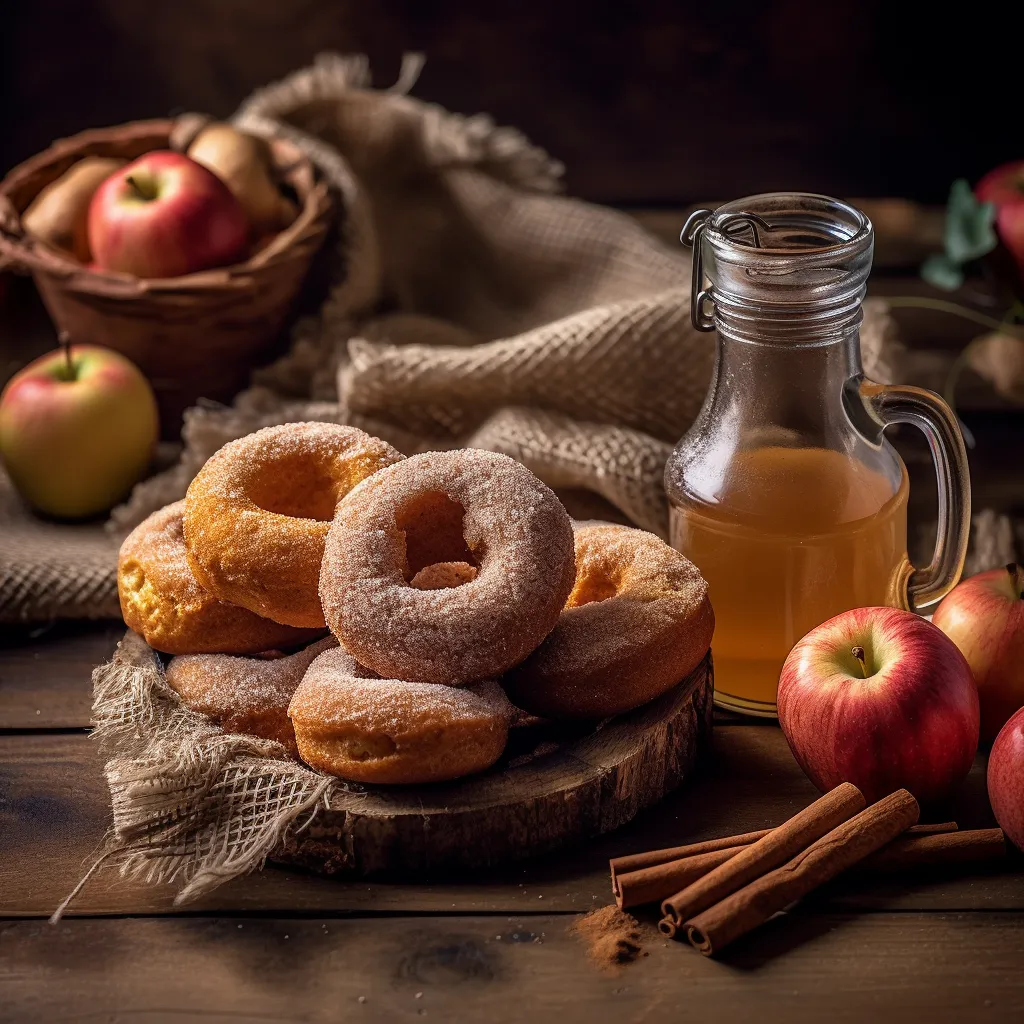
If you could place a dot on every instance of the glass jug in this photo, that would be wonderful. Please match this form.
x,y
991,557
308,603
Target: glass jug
x,y
785,492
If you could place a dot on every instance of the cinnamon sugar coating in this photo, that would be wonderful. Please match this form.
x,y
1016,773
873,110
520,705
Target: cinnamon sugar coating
x,y
246,695
470,506
637,622
351,723
162,601
257,514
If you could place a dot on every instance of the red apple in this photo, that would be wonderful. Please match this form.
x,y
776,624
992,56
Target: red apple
x,y
1006,779
984,617
881,698
1004,187
77,429
165,215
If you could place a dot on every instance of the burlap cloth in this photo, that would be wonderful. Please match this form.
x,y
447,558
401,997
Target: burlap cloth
x,y
472,306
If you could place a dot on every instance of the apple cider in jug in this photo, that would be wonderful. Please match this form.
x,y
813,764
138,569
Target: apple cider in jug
x,y
785,493
797,535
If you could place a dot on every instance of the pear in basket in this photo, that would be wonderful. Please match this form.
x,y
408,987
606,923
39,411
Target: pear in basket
x,y
59,214
243,163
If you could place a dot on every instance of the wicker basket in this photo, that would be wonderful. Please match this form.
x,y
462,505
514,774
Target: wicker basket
x,y
194,336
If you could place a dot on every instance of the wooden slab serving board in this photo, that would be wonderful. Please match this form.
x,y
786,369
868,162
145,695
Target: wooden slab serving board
x,y
555,785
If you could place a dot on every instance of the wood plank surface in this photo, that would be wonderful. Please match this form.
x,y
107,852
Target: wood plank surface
x,y
54,808
799,967
45,672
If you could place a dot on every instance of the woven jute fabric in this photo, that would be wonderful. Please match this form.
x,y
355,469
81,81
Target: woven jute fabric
x,y
192,806
472,306
50,570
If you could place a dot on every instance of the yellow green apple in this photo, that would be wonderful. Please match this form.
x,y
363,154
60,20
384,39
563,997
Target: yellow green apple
x,y
243,163
77,430
60,213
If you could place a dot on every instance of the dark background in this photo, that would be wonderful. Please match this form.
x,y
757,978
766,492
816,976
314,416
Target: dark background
x,y
646,103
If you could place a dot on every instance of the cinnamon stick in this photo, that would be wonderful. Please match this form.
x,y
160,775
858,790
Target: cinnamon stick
x,y
639,861
649,885
930,830
660,873
656,883
774,849
714,928
979,847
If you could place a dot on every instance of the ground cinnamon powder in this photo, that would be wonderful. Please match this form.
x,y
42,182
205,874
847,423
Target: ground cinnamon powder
x,y
612,936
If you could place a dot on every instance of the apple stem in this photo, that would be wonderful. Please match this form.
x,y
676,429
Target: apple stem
x,y
1017,576
64,340
858,653
135,187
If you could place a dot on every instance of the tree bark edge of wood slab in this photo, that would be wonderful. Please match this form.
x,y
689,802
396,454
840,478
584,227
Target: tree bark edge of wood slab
x,y
587,786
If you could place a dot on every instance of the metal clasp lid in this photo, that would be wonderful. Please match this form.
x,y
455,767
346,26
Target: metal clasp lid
x,y
690,236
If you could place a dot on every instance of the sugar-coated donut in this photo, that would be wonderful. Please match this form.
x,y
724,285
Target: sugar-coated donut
x,y
246,695
257,514
161,600
351,723
637,622
468,506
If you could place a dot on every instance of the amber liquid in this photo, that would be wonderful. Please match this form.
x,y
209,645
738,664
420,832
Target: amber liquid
x,y
797,536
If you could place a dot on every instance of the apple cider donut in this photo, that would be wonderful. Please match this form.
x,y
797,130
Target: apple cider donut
x,y
257,514
351,723
637,622
161,600
470,507
246,695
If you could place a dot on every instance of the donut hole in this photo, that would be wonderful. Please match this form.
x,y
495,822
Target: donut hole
x,y
594,583
443,576
299,487
433,525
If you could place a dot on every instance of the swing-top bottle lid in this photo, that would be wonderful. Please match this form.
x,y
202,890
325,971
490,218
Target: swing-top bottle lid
x,y
783,264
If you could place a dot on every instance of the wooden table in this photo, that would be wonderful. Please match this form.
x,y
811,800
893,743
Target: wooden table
x,y
284,946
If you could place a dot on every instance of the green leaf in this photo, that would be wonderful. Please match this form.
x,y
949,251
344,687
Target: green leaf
x,y
941,272
970,233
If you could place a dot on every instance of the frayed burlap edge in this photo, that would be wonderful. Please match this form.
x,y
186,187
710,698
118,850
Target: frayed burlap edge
x,y
192,806
450,139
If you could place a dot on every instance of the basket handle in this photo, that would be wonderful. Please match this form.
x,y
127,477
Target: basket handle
x,y
12,236
186,130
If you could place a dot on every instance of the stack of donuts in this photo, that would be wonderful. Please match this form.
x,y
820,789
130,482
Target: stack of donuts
x,y
385,619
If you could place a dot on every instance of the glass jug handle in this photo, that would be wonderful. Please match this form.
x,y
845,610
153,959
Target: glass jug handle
x,y
898,403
